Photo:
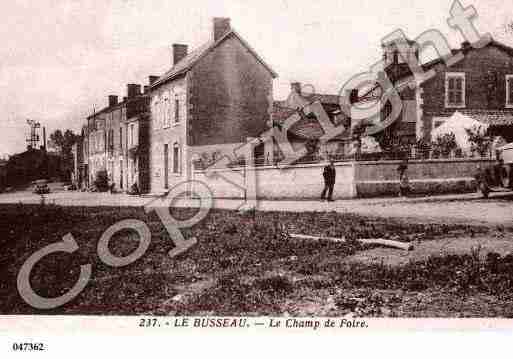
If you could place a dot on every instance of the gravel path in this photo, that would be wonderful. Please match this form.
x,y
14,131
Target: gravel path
x,y
462,208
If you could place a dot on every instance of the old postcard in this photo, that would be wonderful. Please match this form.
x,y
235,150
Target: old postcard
x,y
259,168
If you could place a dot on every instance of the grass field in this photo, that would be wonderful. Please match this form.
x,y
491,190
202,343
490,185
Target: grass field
x,y
246,264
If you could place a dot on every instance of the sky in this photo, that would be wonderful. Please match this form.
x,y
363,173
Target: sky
x,y
59,59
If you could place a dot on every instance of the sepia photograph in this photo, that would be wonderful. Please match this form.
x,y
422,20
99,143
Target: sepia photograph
x,y
271,165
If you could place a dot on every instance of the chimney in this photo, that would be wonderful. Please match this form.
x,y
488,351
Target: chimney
x,y
179,52
465,45
146,88
113,100
133,90
44,138
347,98
296,87
221,27
125,98
353,96
152,79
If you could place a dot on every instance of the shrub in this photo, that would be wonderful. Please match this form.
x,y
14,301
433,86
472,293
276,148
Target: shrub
x,y
479,142
102,181
444,144
275,284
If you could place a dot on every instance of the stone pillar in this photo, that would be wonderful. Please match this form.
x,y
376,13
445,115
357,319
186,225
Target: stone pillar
x,y
269,151
249,156
419,127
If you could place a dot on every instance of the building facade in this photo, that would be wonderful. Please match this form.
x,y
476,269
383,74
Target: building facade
x,y
307,131
479,85
117,141
211,101
77,151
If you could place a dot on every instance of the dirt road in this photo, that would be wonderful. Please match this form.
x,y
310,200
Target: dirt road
x,y
462,208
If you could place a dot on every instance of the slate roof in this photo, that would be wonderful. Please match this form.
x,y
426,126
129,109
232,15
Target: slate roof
x,y
185,64
402,71
281,113
307,128
188,62
491,117
325,99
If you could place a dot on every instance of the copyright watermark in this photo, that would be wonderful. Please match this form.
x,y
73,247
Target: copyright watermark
x,y
69,245
460,19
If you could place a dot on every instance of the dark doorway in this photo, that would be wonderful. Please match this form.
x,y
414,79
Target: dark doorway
x,y
166,166
120,173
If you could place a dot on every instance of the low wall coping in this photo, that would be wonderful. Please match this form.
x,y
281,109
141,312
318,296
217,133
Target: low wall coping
x,y
260,168
435,160
352,163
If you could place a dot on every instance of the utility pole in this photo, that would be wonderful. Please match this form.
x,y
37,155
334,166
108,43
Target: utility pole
x,y
33,139
88,151
44,139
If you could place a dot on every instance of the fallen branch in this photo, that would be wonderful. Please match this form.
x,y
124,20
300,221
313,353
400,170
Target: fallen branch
x,y
379,241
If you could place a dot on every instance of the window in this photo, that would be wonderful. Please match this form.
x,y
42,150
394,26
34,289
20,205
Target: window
x,y
121,138
156,112
166,113
110,142
120,173
455,89
165,108
176,158
92,144
166,166
177,110
132,134
509,91
111,170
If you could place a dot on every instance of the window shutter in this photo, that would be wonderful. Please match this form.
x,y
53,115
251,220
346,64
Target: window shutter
x,y
510,89
177,110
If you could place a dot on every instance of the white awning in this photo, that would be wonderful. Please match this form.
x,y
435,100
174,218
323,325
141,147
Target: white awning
x,y
457,124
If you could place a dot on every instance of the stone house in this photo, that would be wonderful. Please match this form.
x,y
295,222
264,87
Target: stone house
x,y
210,102
480,85
308,131
117,140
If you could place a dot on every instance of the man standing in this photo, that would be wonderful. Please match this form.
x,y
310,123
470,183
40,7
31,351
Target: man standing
x,y
329,175
404,183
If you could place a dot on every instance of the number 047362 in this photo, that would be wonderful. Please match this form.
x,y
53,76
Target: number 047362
x,y
28,347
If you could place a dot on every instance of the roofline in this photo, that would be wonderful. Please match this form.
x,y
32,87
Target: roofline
x,y
258,57
180,74
501,45
139,117
207,51
116,106
430,64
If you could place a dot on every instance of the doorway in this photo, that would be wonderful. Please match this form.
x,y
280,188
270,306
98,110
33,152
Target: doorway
x,y
166,166
121,174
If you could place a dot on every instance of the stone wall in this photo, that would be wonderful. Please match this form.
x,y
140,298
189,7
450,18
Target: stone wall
x,y
295,182
380,178
354,179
